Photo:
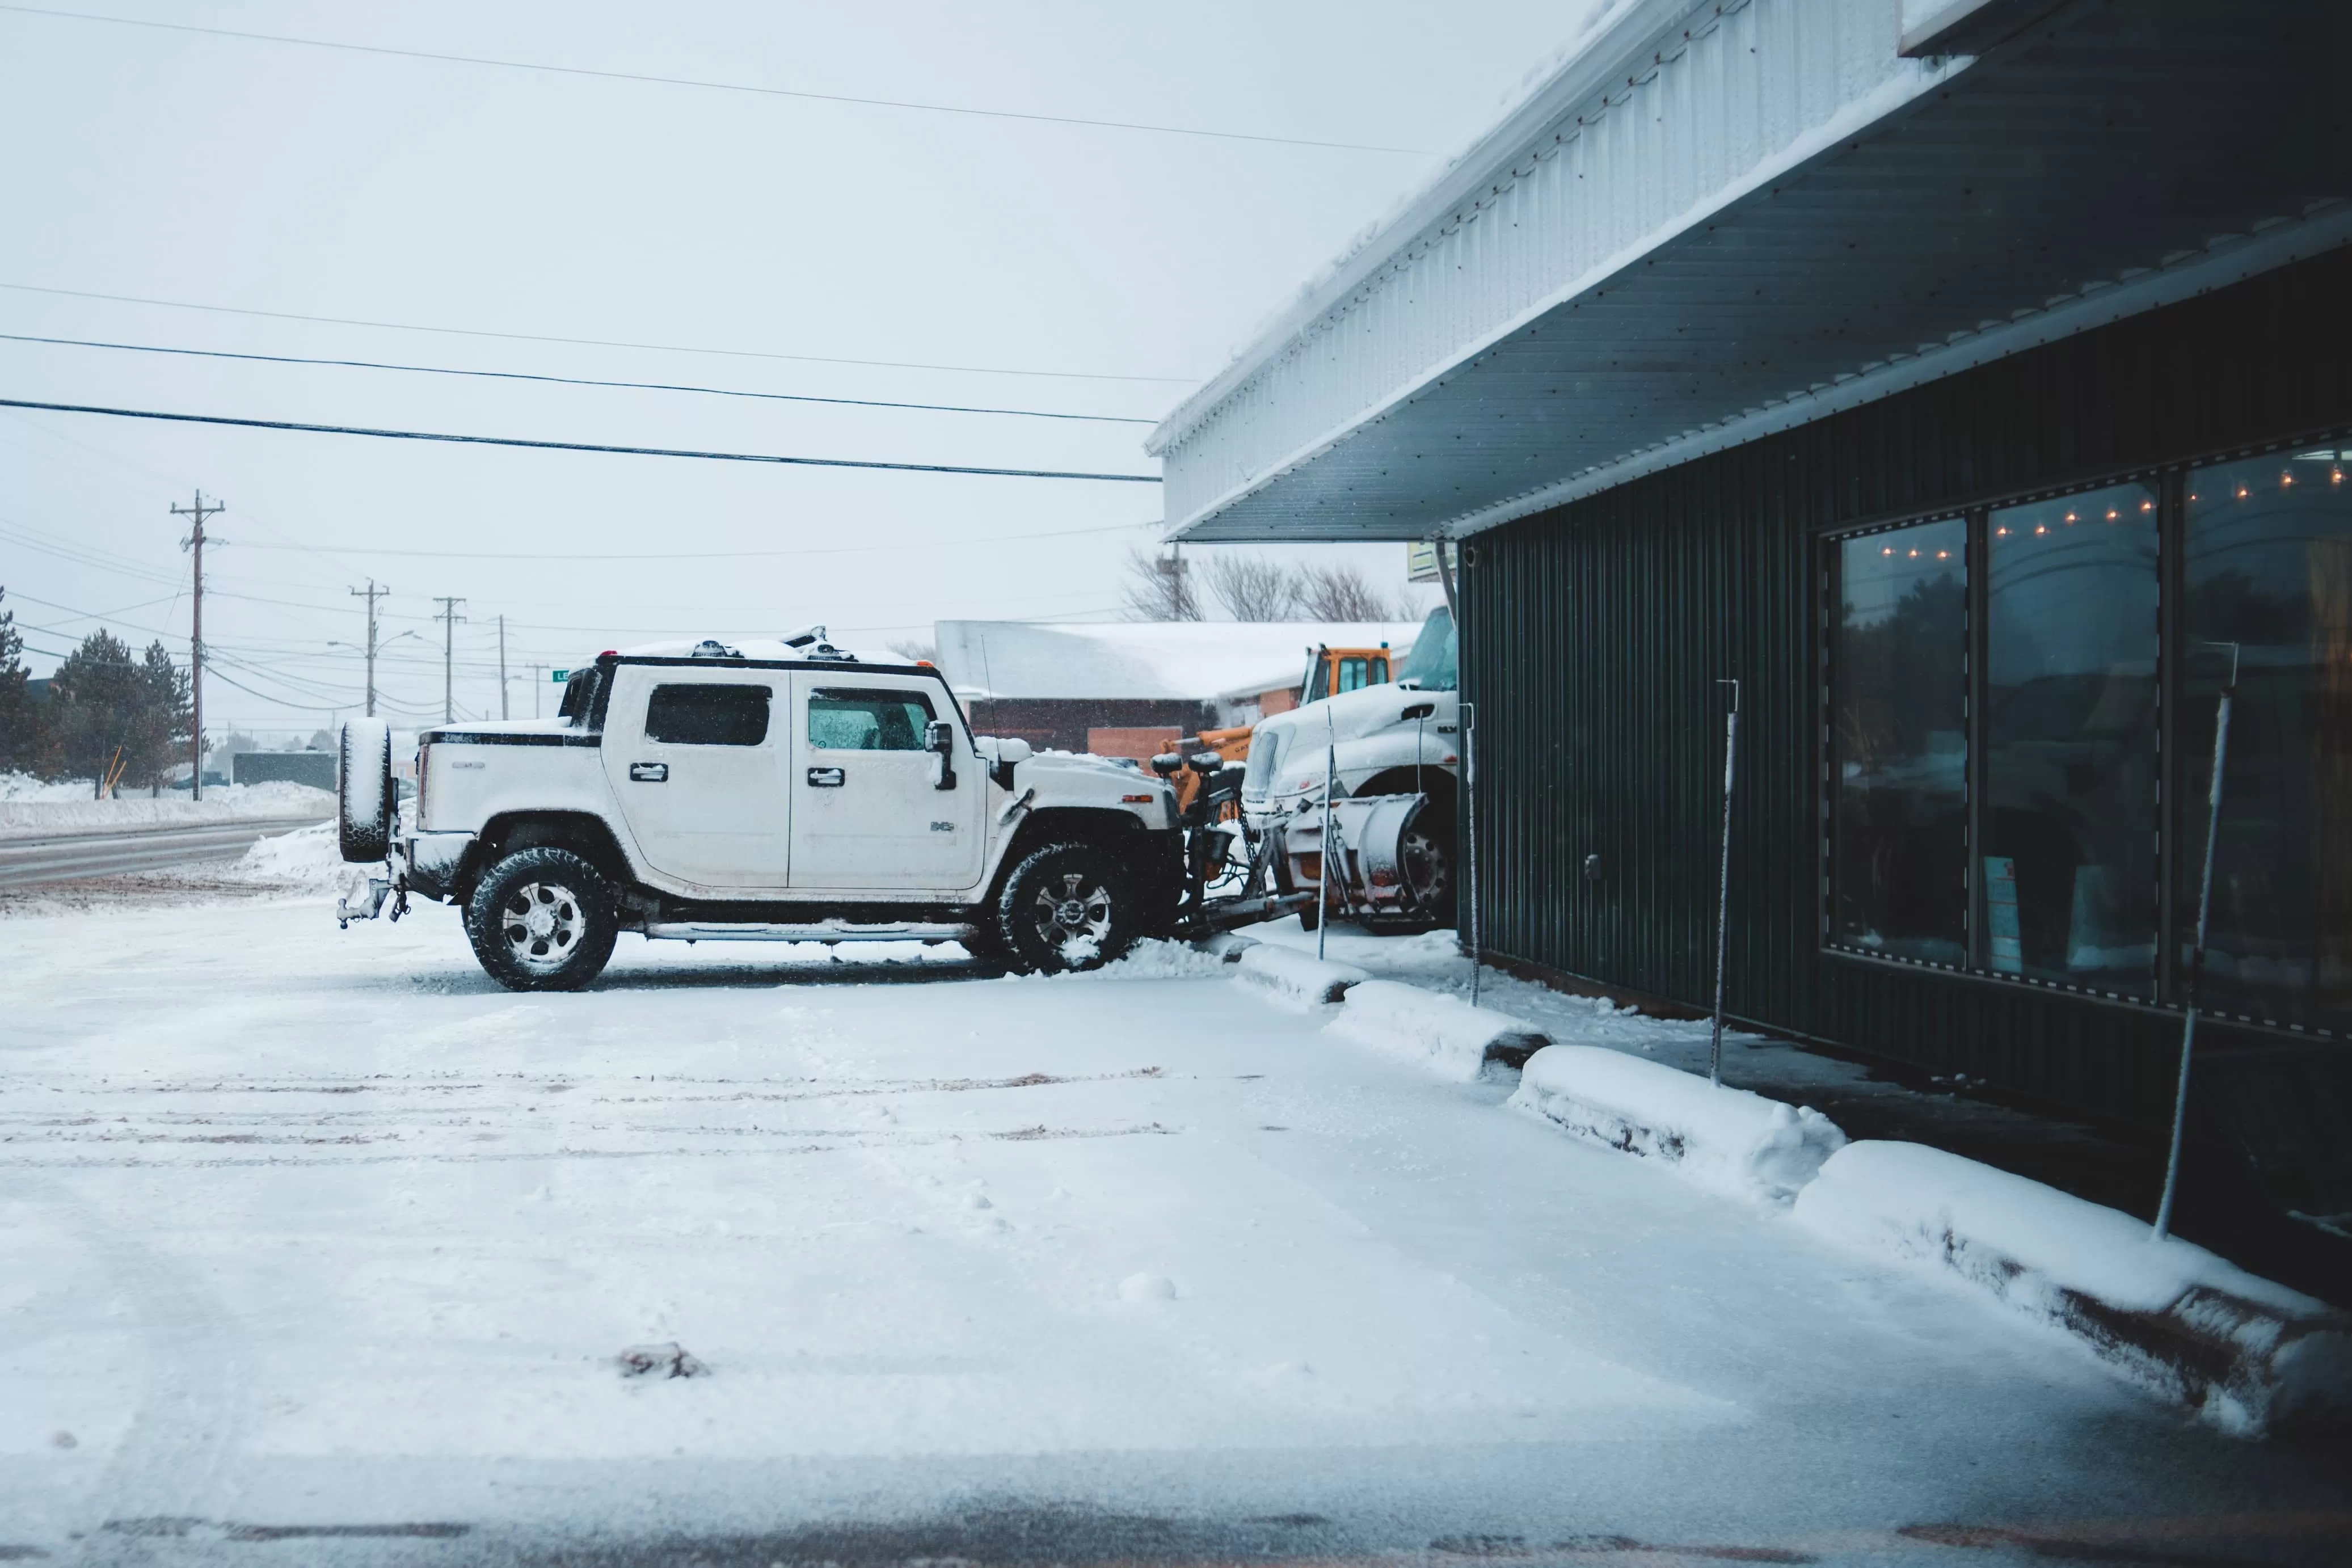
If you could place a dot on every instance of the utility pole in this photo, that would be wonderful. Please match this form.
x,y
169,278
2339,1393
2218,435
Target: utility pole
x,y
194,544
370,594
502,667
449,618
535,670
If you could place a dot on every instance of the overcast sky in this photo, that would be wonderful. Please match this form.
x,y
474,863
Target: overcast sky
x,y
1074,269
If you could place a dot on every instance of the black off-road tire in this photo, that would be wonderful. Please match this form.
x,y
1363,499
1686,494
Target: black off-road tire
x,y
543,920
364,793
1066,907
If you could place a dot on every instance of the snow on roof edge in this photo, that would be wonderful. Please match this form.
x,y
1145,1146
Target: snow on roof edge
x,y
1616,34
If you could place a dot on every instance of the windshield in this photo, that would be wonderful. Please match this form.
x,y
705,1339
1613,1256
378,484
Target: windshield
x,y
1433,661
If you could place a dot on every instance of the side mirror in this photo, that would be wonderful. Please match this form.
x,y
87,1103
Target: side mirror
x,y
1167,764
1420,710
1000,754
940,740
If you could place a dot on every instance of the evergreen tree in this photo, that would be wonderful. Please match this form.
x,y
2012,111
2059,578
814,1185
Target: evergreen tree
x,y
23,746
165,720
98,701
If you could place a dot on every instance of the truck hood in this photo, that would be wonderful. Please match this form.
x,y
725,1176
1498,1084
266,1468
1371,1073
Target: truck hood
x,y
1076,765
1351,715
1287,748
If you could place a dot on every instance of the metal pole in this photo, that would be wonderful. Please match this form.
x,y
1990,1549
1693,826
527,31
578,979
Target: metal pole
x,y
194,543
370,594
502,667
1323,860
1723,881
2197,954
1470,822
449,618
196,653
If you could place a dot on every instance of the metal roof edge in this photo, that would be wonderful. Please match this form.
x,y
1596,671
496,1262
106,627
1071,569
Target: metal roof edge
x,y
1890,99
2328,228
1631,39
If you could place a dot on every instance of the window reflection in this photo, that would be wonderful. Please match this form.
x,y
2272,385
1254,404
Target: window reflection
x,y
2269,567
1900,701
2067,889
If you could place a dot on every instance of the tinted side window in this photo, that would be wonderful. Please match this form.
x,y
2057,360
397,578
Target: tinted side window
x,y
845,721
707,715
579,695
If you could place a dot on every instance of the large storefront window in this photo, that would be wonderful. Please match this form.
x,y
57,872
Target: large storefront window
x,y
2269,567
2019,737
1899,741
2068,872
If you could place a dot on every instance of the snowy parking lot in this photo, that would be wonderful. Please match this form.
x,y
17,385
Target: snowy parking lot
x,y
316,1246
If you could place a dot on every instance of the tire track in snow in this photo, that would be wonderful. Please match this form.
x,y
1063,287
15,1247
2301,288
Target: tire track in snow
x,y
192,1417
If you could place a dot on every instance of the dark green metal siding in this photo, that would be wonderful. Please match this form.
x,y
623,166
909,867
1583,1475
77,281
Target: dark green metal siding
x,y
1593,634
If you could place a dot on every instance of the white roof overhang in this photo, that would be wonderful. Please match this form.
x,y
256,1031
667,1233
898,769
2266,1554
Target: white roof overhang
x,y
1725,219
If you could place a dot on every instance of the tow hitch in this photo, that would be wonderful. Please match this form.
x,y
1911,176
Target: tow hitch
x,y
371,903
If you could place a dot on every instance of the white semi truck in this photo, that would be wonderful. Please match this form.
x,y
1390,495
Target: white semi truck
x,y
1393,756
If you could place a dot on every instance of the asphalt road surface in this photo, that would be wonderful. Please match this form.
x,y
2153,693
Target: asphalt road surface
x,y
71,856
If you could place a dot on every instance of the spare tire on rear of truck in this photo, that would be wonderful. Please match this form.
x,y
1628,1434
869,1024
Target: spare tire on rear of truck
x,y
363,790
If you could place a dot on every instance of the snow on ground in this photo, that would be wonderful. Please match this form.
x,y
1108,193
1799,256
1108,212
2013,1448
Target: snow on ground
x,y
319,1229
1780,1068
30,809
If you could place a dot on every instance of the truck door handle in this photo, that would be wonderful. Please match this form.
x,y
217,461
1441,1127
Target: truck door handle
x,y
826,778
649,773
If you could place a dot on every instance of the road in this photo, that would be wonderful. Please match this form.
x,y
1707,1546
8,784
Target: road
x,y
316,1247
72,857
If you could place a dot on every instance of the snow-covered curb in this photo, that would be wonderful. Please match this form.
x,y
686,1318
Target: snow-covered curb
x,y
1450,1036
1294,976
2250,1356
1727,1140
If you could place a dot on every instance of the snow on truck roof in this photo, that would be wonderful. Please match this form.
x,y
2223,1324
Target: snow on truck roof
x,y
760,649
1170,660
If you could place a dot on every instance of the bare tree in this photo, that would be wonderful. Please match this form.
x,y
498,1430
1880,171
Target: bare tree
x,y
1253,588
1337,592
1160,588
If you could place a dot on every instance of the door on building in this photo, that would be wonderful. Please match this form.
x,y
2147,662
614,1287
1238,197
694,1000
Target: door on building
x,y
697,760
873,809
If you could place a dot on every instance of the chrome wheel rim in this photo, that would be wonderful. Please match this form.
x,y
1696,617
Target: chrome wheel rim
x,y
1425,865
1079,909
541,925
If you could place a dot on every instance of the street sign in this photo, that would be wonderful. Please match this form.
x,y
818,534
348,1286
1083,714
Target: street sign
x,y
1421,561
561,675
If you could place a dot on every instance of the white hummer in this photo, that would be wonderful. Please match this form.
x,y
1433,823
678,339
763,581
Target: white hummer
x,y
777,791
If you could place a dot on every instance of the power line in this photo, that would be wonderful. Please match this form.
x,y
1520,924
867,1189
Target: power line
x,y
586,342
689,555
715,86
576,380
574,446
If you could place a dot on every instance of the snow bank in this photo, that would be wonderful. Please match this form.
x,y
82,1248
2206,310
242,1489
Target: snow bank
x,y
32,815
310,858
1727,1140
1447,1035
1152,958
2250,1356
1295,976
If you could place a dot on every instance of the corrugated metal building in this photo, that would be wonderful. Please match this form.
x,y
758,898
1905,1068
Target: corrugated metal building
x,y
1953,374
